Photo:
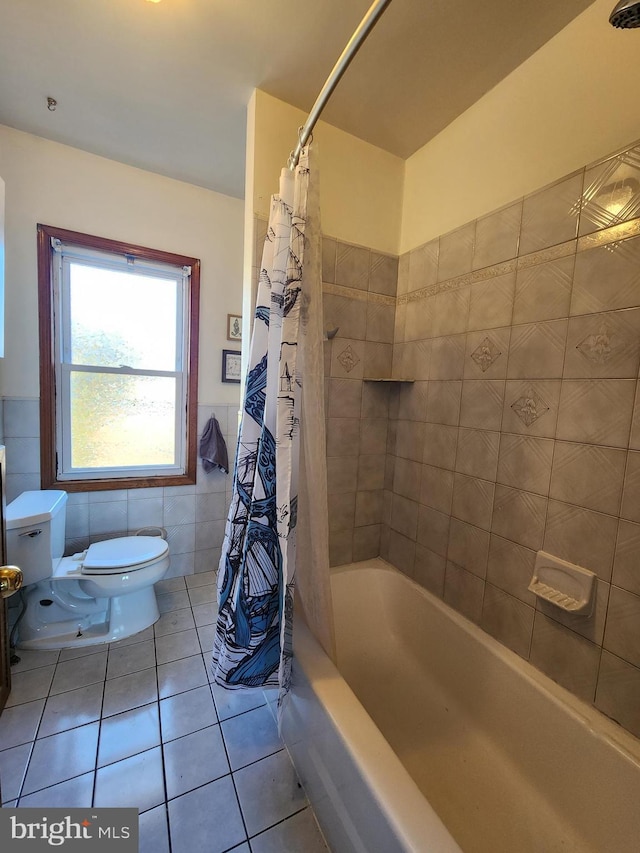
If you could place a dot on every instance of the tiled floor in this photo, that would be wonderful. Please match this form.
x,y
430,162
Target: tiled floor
x,y
137,723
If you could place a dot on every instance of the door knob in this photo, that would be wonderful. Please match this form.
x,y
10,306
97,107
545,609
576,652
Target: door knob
x,y
10,580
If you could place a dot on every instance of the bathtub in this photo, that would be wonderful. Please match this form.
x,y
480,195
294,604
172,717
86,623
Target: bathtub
x,y
431,736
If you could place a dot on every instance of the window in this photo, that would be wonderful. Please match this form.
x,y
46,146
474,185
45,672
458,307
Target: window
x,y
118,363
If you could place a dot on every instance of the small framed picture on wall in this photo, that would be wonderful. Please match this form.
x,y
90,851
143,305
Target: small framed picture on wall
x,y
234,327
230,365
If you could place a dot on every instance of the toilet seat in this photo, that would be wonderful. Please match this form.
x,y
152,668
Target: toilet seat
x,y
122,555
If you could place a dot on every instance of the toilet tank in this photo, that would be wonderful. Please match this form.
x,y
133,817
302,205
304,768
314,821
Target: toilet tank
x,y
35,523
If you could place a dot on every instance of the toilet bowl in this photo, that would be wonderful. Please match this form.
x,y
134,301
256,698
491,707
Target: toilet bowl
x,y
99,595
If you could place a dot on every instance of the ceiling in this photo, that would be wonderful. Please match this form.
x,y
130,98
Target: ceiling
x,y
164,86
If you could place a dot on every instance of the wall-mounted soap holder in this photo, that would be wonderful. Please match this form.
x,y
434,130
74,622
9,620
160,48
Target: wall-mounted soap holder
x,y
563,584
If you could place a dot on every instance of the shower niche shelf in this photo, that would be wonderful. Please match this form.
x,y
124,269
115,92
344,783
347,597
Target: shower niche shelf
x,y
380,379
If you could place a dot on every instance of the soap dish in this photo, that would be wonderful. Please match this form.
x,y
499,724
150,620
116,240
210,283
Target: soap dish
x,y
563,584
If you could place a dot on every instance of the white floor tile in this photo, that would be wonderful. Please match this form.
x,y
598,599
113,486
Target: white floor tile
x,y
269,791
250,736
74,793
173,621
79,673
169,585
154,831
181,675
30,685
203,594
182,644
206,819
206,636
140,637
20,723
61,757
13,765
232,702
205,614
32,659
73,708
129,733
140,656
134,782
129,691
173,601
81,652
297,834
187,712
194,760
201,579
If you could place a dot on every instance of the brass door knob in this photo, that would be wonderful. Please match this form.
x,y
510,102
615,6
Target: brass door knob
x,y
10,580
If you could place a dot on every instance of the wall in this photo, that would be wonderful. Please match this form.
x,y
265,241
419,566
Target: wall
x,y
361,185
567,105
521,431
57,185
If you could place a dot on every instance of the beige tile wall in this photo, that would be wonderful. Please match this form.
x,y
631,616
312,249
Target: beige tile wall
x,y
522,431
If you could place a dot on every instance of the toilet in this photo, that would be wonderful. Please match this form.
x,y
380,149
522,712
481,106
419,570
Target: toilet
x,y
99,595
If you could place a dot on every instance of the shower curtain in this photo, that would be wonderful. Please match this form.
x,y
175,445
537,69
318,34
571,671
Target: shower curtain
x,y
277,528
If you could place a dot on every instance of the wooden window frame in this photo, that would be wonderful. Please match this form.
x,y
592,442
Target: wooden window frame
x,y
48,468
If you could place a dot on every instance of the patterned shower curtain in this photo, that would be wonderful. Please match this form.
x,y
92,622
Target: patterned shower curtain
x,y
253,641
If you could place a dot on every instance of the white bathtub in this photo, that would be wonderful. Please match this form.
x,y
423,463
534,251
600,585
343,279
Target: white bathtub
x,y
462,746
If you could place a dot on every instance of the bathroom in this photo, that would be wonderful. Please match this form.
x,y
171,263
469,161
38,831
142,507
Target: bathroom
x,y
561,111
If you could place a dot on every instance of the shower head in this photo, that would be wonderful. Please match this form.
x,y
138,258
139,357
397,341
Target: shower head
x,y
626,14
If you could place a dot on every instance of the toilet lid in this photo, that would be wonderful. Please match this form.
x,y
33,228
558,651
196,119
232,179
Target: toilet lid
x,y
127,553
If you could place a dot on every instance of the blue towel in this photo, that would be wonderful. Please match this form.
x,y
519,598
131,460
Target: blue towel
x,y
213,449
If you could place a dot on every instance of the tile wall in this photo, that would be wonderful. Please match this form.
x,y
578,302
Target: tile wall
x,y
194,516
522,429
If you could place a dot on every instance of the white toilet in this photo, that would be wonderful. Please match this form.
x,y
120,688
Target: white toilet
x,y
100,595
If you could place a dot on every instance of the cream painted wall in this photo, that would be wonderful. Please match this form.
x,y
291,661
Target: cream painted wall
x,y
62,186
571,103
360,185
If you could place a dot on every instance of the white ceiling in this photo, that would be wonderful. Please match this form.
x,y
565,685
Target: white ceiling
x,y
164,86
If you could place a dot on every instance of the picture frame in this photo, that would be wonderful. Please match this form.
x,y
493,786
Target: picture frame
x,y
231,360
234,327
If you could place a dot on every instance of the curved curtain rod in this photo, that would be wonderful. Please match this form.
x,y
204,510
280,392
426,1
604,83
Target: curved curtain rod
x,y
353,45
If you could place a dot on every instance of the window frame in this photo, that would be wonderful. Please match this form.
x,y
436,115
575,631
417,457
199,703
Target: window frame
x,y
48,368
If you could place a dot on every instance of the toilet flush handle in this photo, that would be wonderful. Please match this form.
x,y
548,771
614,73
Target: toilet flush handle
x,y
31,533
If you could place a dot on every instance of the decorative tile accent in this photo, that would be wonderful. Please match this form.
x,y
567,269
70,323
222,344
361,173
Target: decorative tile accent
x,y
485,354
530,406
348,358
610,236
604,345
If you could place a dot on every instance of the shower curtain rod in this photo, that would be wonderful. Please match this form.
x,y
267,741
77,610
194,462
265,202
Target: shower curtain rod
x,y
366,25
